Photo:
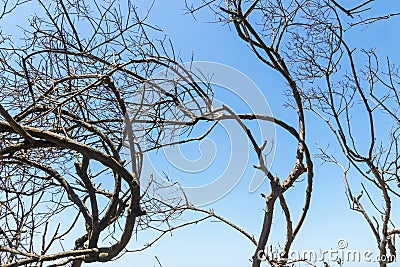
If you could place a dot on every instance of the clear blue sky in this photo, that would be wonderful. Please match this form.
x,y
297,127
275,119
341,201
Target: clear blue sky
x,y
212,243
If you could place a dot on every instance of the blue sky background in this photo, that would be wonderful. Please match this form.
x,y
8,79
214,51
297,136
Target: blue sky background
x,y
212,243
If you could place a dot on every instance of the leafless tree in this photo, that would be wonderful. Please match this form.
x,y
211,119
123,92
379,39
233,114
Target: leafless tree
x,y
306,42
361,109
265,38
76,91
